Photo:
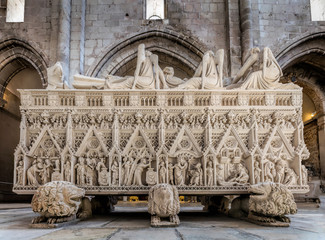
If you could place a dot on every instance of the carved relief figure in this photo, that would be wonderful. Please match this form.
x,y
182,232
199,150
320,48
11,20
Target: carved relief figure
x,y
102,172
220,177
115,172
178,171
260,72
304,175
171,80
81,171
257,172
126,169
209,171
269,171
67,171
196,175
240,175
138,172
20,172
162,172
46,170
279,169
207,75
290,177
90,171
171,173
32,174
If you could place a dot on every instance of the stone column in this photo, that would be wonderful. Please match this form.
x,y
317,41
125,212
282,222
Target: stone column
x,y
321,143
63,47
233,36
246,25
77,40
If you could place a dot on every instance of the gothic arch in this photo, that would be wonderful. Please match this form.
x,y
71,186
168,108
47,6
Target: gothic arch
x,y
17,55
293,51
304,59
170,45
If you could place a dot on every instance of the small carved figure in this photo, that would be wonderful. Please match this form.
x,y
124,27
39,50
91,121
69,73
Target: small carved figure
x,y
90,171
162,173
102,172
178,171
20,172
279,175
240,175
290,177
81,171
127,167
268,171
209,171
138,172
32,173
257,172
163,201
304,175
115,172
67,171
220,177
171,173
196,175
46,170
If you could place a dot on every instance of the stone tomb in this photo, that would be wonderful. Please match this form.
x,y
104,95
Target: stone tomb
x,y
123,142
123,135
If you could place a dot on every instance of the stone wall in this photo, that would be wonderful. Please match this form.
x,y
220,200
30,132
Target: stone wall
x,y
37,27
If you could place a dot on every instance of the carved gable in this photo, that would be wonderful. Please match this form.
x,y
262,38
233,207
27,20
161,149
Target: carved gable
x,y
231,146
92,144
185,142
45,145
139,140
277,145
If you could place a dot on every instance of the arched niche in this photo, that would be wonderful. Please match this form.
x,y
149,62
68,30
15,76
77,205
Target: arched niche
x,y
21,67
303,62
173,49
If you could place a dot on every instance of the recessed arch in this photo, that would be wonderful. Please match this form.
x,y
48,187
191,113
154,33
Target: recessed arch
x,y
177,46
17,55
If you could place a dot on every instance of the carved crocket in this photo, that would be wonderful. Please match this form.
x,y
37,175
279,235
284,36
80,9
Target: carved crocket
x,y
60,201
163,202
267,205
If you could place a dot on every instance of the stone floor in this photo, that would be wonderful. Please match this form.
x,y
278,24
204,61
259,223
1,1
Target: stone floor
x,y
134,223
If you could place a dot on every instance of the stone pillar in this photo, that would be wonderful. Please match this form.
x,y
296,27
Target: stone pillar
x,y
63,48
321,139
246,27
77,40
233,36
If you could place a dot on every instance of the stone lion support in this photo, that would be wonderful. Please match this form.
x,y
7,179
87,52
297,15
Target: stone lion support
x,y
267,205
59,202
163,202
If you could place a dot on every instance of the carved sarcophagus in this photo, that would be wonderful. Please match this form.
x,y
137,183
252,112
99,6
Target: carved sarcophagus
x,y
124,141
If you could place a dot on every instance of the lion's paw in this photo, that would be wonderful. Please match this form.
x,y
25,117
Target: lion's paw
x,y
38,219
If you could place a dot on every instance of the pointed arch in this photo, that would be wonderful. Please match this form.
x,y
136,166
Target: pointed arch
x,y
165,42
